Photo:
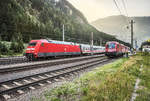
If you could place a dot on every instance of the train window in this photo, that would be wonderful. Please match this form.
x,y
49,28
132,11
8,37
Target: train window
x,y
42,44
111,45
32,44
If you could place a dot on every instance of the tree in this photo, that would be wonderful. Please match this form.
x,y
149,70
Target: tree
x,y
17,45
3,48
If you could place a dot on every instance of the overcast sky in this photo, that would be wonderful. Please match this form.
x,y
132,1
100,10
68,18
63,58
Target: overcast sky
x,y
95,9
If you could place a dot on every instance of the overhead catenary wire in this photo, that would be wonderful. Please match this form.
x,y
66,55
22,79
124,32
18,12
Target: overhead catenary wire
x,y
117,7
126,13
115,2
125,8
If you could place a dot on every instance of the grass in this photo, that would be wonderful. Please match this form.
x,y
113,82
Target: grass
x,y
144,86
116,86
84,85
111,82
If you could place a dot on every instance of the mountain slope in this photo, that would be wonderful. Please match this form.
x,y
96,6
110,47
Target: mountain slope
x,y
34,19
117,26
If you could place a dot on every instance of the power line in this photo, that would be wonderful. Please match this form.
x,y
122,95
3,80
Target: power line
x,y
132,22
124,5
115,2
117,7
125,18
125,8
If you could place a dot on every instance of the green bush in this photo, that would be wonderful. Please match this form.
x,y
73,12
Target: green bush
x,y
3,48
13,46
145,53
17,47
20,46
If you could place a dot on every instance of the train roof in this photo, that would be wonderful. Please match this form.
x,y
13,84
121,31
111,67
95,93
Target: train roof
x,y
54,41
39,40
87,45
98,47
113,42
61,42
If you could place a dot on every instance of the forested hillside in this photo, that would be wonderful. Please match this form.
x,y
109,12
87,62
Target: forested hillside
x,y
34,19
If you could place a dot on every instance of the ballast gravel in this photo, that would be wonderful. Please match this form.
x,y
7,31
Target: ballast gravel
x,y
39,93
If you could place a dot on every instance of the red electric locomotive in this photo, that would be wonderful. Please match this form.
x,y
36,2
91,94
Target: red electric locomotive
x,y
49,48
114,48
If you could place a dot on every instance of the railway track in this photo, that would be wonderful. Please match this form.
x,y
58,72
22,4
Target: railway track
x,y
12,60
42,64
18,86
21,59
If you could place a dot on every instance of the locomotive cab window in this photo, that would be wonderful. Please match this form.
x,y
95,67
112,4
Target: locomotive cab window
x,y
32,44
111,45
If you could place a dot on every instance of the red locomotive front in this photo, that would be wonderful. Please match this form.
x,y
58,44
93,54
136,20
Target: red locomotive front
x,y
50,48
113,49
33,49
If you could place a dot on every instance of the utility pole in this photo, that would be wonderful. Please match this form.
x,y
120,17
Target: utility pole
x,y
101,41
63,33
132,22
136,46
92,43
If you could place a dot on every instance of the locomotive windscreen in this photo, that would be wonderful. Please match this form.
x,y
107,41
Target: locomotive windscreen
x,y
111,45
33,44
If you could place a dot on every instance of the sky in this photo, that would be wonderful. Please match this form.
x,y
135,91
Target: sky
x,y
95,9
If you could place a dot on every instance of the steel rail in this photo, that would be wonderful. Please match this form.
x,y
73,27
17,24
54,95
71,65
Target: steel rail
x,y
43,64
14,89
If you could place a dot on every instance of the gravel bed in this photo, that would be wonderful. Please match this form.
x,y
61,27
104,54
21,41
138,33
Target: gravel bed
x,y
42,62
12,60
10,76
39,93
13,57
